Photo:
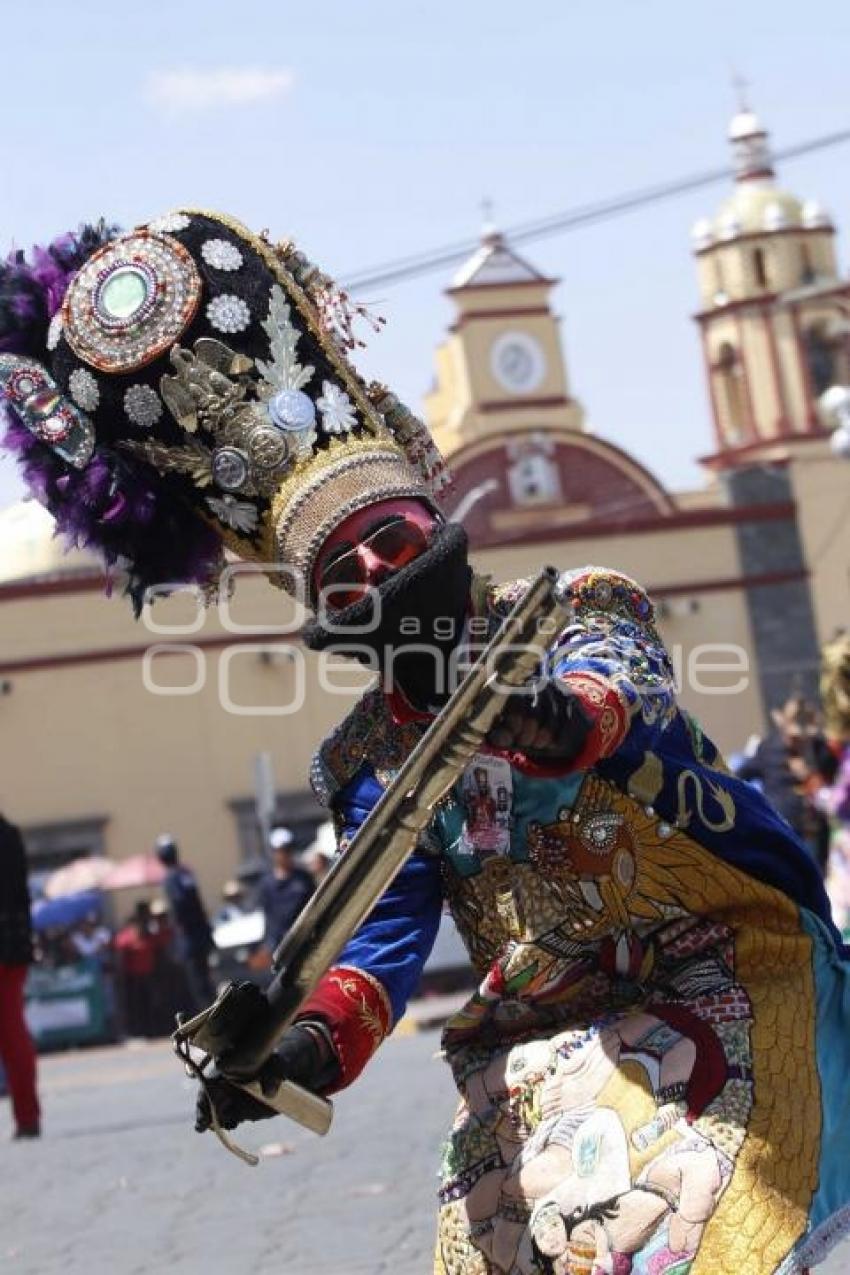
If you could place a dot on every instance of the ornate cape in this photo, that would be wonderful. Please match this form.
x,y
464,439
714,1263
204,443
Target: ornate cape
x,y
652,1068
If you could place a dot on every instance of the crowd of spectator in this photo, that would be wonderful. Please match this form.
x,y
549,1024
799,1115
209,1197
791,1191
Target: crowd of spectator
x,y
167,954
805,774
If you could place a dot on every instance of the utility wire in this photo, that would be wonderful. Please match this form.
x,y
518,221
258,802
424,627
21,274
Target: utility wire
x,y
404,268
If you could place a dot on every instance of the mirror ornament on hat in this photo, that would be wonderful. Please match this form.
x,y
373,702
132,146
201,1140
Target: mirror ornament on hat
x,y
204,373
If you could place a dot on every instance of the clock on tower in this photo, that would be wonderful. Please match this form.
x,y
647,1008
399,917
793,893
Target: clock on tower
x,y
517,361
502,368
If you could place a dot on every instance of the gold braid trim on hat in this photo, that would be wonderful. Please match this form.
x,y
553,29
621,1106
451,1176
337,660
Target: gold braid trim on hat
x,y
347,477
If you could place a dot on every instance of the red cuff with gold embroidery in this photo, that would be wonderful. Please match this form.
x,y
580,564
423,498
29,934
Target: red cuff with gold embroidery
x,y
607,713
609,720
357,1010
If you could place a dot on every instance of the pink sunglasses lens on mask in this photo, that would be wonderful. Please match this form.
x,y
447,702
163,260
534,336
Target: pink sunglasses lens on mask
x,y
394,545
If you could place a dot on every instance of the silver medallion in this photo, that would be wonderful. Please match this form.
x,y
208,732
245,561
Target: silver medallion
x,y
292,410
230,468
143,405
270,454
228,313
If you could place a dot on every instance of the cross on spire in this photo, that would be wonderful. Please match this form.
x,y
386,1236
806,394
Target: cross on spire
x,y
740,85
488,226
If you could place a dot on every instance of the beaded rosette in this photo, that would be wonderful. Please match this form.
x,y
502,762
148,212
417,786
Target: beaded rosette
x,y
199,364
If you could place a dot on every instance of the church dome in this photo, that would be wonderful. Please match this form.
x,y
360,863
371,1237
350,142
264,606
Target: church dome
x,y
757,208
757,205
728,224
29,550
776,216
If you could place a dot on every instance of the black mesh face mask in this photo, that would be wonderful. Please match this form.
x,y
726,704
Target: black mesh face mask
x,y
421,616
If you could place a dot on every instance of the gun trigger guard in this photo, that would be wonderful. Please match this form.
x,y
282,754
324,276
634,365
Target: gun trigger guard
x,y
197,1071
226,1141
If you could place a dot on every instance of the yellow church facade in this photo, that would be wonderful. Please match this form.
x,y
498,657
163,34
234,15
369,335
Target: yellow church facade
x,y
115,731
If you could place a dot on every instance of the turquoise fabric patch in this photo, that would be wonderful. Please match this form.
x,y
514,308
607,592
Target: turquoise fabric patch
x,y
530,800
832,989
541,801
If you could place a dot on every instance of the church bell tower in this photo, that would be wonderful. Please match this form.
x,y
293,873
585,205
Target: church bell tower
x,y
502,367
774,314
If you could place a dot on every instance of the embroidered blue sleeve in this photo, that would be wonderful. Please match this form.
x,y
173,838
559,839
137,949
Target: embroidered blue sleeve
x,y
396,939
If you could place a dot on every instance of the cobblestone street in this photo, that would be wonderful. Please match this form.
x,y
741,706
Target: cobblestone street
x,y
120,1185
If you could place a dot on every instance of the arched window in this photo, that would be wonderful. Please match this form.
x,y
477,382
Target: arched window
x,y
808,274
821,358
760,268
731,396
533,476
719,281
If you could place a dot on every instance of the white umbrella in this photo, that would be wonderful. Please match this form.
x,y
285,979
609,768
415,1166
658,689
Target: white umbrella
x,y
138,870
88,873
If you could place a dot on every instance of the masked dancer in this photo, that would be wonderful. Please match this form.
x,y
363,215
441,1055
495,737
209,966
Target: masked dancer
x,y
652,1070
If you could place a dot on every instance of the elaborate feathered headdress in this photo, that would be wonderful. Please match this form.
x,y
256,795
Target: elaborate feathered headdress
x,y
187,385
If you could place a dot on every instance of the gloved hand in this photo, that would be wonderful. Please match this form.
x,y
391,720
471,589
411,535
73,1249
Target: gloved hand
x,y
303,1056
549,724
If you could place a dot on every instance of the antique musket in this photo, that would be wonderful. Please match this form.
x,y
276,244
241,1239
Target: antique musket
x,y
376,854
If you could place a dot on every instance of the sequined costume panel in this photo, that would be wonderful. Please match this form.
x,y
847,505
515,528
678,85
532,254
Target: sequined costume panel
x,y
650,1064
627,1069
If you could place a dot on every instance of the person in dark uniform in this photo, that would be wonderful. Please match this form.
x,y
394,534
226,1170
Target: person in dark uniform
x,y
193,934
17,1052
792,763
285,890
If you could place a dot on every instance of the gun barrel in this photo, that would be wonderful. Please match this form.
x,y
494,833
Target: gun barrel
x,y
508,661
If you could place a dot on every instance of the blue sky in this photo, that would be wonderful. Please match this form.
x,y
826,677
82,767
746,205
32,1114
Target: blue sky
x,y
374,130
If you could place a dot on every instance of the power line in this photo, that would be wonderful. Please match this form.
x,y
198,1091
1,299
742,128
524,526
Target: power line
x,y
403,268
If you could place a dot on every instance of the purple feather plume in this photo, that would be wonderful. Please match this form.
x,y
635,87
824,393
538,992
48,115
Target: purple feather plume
x,y
113,507
32,288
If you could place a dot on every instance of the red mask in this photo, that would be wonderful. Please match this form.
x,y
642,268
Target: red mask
x,y
369,546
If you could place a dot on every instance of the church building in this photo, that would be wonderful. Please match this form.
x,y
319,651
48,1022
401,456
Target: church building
x,y
761,554
750,573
